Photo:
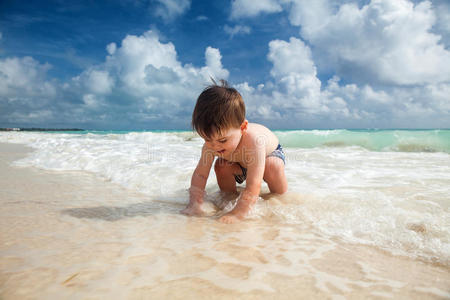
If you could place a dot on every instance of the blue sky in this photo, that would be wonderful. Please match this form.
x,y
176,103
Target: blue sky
x,y
135,64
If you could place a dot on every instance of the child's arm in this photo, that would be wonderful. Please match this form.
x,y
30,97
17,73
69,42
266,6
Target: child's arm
x,y
255,172
256,161
198,183
255,158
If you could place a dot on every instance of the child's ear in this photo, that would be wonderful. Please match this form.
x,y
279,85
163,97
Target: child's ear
x,y
244,125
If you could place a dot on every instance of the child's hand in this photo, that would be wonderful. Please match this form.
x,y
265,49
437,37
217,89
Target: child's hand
x,y
244,204
193,209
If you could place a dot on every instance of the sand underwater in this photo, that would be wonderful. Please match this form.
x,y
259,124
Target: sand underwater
x,y
89,217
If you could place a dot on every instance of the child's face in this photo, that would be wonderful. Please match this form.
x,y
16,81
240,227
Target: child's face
x,y
225,143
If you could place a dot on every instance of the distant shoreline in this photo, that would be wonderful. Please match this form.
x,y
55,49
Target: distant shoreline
x,y
190,130
41,129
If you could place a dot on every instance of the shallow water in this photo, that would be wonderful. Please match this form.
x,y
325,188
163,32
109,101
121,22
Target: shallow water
x,y
354,223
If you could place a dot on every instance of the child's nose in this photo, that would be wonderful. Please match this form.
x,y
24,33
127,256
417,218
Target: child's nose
x,y
213,145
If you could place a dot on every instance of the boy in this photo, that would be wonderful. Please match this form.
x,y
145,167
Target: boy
x,y
245,151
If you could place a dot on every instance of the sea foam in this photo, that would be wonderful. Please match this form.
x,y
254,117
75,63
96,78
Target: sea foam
x,y
395,200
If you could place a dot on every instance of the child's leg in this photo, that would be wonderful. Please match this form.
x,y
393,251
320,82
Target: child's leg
x,y
225,172
274,175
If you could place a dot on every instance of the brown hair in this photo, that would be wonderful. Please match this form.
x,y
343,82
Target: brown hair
x,y
218,108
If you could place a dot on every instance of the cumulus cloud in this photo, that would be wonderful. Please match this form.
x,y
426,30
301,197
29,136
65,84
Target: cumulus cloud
x,y
111,48
141,80
170,9
98,82
25,91
384,61
295,91
295,75
147,73
237,29
290,57
442,25
390,54
387,42
214,66
251,8
383,42
144,65
24,77
296,95
92,101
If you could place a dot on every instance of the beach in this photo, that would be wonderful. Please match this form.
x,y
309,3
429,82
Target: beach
x,y
77,224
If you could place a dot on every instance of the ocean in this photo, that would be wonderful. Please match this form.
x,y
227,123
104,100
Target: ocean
x,y
383,191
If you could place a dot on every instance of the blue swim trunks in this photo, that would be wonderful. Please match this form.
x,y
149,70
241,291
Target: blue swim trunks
x,y
277,153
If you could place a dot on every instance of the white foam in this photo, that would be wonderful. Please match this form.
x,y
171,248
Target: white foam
x,y
396,201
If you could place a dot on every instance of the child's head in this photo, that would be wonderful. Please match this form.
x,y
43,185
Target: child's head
x,y
218,108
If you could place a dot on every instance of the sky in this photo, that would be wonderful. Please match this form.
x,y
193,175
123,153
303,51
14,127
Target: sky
x,y
299,64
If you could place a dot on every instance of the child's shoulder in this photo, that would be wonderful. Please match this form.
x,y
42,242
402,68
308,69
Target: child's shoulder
x,y
260,134
255,129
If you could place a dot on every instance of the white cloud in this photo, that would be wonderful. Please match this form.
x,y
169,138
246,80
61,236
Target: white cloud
x,y
442,9
251,8
140,81
381,42
99,82
290,57
295,91
24,77
170,9
147,73
214,66
388,42
297,96
390,54
237,29
91,101
142,63
111,48
92,84
139,59
295,75
33,117
311,15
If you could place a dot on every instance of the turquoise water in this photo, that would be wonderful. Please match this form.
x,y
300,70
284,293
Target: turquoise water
x,y
437,140
396,140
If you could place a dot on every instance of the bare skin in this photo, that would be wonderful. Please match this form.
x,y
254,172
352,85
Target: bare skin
x,y
249,147
193,209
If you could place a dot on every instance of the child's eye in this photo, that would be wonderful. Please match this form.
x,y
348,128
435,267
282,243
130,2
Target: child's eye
x,y
223,141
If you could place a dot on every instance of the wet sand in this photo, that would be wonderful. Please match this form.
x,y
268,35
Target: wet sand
x,y
67,235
